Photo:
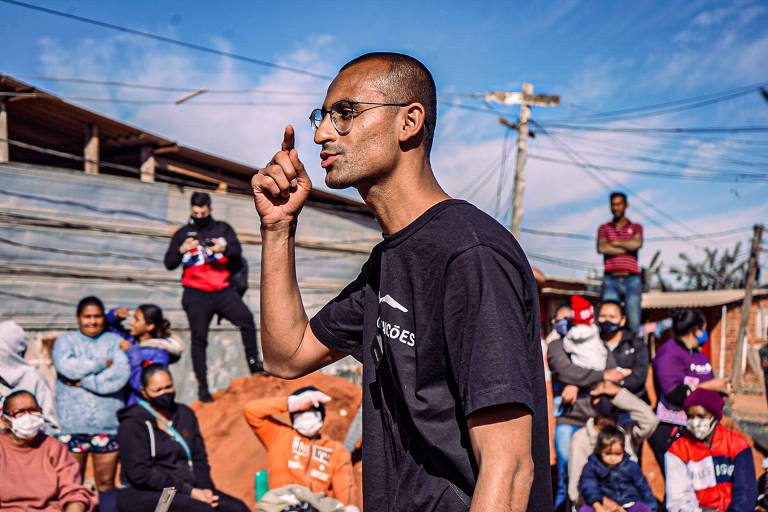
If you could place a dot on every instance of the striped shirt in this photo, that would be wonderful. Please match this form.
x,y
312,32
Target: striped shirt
x,y
621,262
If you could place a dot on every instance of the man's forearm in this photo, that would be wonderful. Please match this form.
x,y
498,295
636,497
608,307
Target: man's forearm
x,y
283,319
628,245
503,490
609,249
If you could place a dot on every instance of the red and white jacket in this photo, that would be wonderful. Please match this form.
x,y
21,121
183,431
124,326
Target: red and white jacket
x,y
721,476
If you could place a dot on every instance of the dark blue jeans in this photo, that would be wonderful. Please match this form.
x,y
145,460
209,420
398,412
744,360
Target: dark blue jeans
x,y
629,290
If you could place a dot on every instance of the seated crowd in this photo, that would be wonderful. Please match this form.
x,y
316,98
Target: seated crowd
x,y
602,416
115,399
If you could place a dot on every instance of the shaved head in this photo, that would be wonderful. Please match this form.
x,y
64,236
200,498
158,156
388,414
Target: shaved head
x,y
406,81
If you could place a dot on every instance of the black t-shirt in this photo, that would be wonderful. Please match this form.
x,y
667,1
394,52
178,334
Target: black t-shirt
x,y
449,309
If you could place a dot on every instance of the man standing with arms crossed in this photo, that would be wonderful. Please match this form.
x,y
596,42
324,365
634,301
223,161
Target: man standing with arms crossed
x,y
618,241
444,315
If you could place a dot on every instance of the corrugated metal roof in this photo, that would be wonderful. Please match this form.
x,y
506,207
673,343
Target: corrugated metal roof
x,y
48,121
701,299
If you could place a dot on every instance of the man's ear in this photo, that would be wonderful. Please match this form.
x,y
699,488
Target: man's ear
x,y
623,321
412,123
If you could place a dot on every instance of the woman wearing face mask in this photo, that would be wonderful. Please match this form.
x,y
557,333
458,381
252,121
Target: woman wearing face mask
x,y
162,447
38,473
91,373
679,368
147,341
628,349
710,467
301,454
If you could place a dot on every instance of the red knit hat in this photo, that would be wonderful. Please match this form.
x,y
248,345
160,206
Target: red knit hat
x,y
708,399
583,313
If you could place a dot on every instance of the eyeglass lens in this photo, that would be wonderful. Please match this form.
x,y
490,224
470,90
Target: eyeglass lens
x,y
342,115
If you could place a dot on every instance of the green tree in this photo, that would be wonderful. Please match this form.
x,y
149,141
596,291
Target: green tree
x,y
716,272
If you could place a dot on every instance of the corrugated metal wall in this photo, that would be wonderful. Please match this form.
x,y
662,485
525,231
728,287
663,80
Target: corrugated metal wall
x,y
65,235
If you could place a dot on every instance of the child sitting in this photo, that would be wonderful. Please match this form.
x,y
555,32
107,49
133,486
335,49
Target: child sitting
x,y
583,342
611,479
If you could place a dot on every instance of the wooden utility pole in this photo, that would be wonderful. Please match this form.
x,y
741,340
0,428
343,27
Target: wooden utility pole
x,y
746,305
5,156
525,99
91,149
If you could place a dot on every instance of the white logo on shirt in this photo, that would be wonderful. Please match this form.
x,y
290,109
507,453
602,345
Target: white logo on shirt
x,y
388,300
702,473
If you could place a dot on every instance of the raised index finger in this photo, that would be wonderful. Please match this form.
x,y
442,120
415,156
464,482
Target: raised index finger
x,y
288,139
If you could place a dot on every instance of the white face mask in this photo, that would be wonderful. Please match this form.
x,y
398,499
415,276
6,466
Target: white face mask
x,y
308,423
26,427
700,427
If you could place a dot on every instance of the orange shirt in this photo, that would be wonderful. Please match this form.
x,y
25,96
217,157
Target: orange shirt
x,y
319,464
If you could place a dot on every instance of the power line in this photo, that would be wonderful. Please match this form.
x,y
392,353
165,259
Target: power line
x,y
693,174
630,129
131,101
677,238
161,88
165,39
678,105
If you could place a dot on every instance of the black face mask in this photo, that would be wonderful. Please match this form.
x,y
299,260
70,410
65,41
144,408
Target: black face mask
x,y
166,401
200,222
608,329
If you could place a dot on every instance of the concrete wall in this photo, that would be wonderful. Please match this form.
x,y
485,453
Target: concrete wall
x,y
65,235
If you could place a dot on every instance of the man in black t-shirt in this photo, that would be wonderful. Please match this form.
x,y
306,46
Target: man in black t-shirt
x,y
443,316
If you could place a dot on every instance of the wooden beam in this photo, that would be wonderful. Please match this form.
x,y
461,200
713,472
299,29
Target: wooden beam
x,y
148,164
91,149
199,173
166,149
5,155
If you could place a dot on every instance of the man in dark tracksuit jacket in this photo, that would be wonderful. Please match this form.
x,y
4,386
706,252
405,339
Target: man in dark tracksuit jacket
x,y
209,250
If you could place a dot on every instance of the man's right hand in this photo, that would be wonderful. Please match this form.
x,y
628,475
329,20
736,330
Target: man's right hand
x,y
281,188
570,394
615,375
607,388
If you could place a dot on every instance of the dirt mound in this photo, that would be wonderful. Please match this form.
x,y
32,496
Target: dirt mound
x,y
236,454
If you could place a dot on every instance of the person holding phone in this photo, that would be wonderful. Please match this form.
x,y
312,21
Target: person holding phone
x,y
210,254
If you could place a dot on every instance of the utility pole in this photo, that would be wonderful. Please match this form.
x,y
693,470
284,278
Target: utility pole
x,y
525,99
746,305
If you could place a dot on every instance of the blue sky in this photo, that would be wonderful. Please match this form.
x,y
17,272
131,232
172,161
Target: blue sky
x,y
599,56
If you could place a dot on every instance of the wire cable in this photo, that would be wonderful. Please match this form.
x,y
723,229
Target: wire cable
x,y
630,129
677,238
667,107
165,39
161,88
692,174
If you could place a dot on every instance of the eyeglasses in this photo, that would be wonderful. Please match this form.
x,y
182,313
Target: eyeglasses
x,y
343,113
18,413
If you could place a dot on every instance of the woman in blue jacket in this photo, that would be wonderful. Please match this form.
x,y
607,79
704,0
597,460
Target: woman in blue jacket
x,y
147,342
91,373
611,478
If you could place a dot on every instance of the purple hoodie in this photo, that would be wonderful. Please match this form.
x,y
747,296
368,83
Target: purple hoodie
x,y
673,365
